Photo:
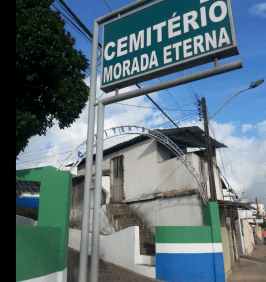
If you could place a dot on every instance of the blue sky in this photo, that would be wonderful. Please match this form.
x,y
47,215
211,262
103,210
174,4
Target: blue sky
x,y
241,124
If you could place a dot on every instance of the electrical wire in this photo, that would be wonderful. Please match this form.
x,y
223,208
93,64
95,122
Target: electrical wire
x,y
43,157
179,120
151,107
107,5
137,85
71,23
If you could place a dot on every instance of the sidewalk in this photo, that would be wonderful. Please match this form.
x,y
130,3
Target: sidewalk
x,y
107,271
248,270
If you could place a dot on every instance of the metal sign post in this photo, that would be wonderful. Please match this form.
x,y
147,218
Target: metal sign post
x,y
231,48
85,228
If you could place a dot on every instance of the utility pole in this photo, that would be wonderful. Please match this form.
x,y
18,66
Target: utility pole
x,y
257,208
208,151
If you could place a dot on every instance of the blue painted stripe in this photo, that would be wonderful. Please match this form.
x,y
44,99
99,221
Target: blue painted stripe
x,y
190,267
28,202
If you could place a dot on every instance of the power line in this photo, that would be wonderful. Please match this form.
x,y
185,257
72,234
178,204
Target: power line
x,y
151,107
78,21
179,120
53,146
107,5
71,23
44,157
172,97
90,34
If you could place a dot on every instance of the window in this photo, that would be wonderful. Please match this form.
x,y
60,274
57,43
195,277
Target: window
x,y
118,167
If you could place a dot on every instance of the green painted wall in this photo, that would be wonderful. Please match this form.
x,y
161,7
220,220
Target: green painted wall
x,y
183,234
210,233
212,218
53,221
37,251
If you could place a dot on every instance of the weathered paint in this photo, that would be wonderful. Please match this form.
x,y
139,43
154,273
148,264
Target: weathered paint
x,y
248,236
148,170
43,249
225,243
77,202
202,261
168,211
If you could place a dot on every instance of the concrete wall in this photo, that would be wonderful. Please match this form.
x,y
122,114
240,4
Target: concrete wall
x,y
191,253
240,236
24,221
147,171
112,249
258,231
248,236
177,211
75,221
225,242
43,249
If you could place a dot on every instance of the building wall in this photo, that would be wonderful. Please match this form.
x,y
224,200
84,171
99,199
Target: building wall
x,y
112,249
147,171
43,249
248,236
258,231
225,242
178,211
189,253
75,221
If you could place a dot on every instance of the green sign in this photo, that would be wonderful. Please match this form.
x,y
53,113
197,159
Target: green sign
x,y
163,38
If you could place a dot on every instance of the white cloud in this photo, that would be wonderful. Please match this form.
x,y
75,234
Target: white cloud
x,y
246,127
258,9
244,159
49,149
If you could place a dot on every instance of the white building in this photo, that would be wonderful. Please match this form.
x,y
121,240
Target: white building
x,y
146,185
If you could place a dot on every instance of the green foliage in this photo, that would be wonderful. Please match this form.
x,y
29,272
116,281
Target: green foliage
x,y
49,72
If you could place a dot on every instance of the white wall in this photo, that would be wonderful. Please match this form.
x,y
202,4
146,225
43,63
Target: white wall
x,y
177,211
21,220
121,248
143,175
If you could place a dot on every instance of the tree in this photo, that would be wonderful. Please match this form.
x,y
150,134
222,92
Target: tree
x,y
49,72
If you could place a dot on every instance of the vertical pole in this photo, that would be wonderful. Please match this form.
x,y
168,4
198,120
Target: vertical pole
x,y
83,260
208,151
95,246
216,62
257,208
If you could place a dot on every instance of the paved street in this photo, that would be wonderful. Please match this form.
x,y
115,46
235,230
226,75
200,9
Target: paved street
x,y
107,271
250,269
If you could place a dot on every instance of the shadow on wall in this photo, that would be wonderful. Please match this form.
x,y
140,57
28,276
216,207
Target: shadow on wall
x,y
165,180
147,151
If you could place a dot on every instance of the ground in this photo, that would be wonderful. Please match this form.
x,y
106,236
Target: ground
x,y
107,271
245,271
251,271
